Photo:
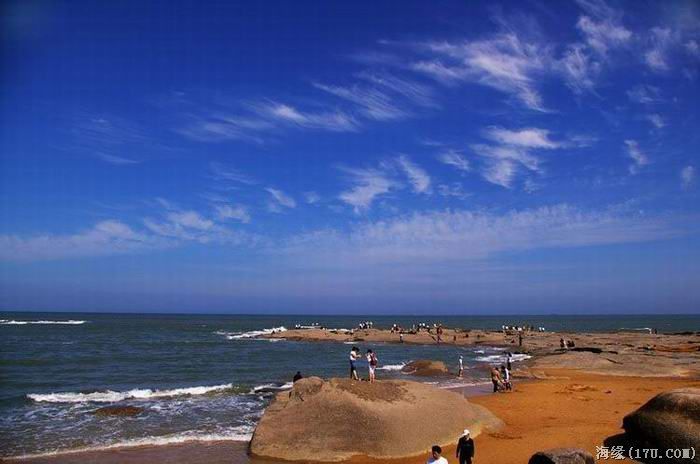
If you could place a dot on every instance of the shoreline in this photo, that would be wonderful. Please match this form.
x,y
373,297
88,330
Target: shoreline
x,y
641,365
564,408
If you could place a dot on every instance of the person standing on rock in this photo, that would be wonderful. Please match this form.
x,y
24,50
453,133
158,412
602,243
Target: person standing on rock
x,y
436,456
465,448
354,356
372,364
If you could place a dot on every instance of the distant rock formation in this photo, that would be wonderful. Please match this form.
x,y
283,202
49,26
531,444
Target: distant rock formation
x,y
426,368
562,456
336,419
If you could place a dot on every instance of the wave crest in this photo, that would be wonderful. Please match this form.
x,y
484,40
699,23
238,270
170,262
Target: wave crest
x,y
110,396
14,322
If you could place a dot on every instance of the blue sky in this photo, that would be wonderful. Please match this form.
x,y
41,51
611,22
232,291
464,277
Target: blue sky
x,y
435,157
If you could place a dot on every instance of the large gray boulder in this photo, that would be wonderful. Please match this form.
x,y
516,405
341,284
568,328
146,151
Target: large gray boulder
x,y
669,420
562,456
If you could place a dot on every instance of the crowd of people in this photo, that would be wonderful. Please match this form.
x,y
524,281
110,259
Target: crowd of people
x,y
522,328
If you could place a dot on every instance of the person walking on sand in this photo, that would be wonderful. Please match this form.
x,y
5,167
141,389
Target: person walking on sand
x,y
461,367
372,364
354,356
465,448
436,456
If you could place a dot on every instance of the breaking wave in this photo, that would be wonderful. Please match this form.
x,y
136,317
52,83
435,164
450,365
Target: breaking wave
x,y
251,334
110,396
13,322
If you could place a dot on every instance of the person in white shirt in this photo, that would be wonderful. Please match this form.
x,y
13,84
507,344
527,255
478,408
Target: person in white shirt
x,y
436,456
461,366
354,356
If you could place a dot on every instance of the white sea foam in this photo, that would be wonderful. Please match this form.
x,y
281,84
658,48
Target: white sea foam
x,y
500,358
251,334
463,383
240,433
13,322
391,367
271,386
110,396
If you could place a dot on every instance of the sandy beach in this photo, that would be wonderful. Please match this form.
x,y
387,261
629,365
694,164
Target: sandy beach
x,y
562,398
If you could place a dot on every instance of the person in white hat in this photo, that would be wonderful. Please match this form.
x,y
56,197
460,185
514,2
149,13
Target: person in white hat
x,y
465,448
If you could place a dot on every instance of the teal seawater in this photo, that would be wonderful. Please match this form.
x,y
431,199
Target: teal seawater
x,y
194,375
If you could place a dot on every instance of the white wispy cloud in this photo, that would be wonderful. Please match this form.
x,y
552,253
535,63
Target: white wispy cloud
x,y
505,62
417,176
312,197
530,137
223,172
500,172
108,138
104,238
579,69
335,121
455,159
687,176
260,120
656,56
604,34
280,200
373,103
463,235
235,212
656,120
185,225
454,189
644,94
117,160
692,48
639,158
368,184
512,150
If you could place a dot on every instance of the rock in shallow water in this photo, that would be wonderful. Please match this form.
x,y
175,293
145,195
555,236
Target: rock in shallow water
x,y
336,419
562,456
426,368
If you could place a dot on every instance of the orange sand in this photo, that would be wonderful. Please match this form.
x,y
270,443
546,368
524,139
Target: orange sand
x,y
569,409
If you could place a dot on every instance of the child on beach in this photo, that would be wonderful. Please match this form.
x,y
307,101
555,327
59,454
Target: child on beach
x,y
354,356
372,363
436,456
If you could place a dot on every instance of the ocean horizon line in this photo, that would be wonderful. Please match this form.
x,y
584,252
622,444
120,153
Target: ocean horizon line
x,y
360,315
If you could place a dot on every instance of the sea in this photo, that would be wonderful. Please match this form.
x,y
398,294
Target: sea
x,y
205,377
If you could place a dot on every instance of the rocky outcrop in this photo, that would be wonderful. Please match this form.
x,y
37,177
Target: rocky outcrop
x,y
118,411
426,368
336,419
562,456
669,420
